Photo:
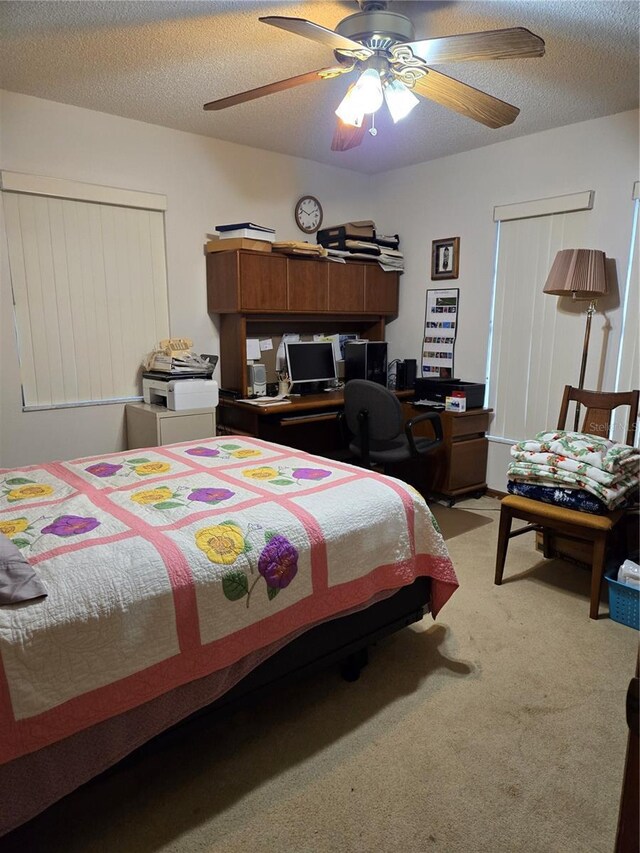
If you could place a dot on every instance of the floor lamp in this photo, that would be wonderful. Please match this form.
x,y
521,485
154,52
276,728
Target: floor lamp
x,y
579,273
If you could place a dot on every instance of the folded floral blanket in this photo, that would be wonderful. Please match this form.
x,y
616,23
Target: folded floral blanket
x,y
588,449
546,475
578,499
565,463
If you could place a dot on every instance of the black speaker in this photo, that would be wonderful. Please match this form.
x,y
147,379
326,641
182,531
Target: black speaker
x,y
410,371
401,376
366,360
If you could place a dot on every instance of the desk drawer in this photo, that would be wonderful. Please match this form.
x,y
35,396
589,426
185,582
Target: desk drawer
x,y
187,428
468,464
469,424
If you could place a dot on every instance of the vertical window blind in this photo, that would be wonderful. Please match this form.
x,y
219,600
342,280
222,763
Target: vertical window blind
x,y
628,367
89,287
536,344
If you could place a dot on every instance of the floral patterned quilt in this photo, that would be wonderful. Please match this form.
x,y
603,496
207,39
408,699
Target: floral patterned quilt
x,y
167,564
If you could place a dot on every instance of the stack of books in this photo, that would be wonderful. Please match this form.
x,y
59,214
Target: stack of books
x,y
241,235
360,241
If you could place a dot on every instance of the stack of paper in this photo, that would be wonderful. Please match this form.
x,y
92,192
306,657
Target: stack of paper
x,y
295,247
391,259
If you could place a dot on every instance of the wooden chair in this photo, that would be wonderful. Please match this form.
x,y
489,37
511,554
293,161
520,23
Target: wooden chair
x,y
547,518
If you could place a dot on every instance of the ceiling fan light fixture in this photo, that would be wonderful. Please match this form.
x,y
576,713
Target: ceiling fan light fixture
x,y
364,97
400,99
349,111
368,91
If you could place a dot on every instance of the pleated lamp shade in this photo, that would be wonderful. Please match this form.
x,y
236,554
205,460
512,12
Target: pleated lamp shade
x,y
579,273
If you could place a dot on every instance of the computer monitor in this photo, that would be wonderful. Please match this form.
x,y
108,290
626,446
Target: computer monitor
x,y
310,364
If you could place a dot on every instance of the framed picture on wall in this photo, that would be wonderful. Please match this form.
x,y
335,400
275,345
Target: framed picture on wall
x,y
445,258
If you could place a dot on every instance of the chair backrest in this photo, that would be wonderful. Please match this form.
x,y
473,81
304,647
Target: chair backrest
x,y
599,406
385,412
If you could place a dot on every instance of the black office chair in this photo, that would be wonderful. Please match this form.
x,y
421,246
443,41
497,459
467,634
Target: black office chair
x,y
374,417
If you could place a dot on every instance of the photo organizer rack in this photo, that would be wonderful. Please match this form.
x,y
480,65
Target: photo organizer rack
x,y
440,330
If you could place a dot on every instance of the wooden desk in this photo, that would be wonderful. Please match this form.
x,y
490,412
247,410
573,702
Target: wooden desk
x,y
311,422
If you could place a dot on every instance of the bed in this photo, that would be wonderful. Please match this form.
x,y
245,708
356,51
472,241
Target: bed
x,y
180,575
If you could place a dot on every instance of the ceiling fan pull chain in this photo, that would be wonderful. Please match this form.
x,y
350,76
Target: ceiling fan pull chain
x,y
373,130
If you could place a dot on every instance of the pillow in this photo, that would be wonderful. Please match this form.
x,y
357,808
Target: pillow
x,y
18,581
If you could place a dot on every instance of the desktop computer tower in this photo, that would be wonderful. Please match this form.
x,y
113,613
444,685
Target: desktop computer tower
x,y
366,360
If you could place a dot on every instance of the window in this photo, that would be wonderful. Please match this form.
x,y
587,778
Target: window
x,y
530,337
88,275
628,366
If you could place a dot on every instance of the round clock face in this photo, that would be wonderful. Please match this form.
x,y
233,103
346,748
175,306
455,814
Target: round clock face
x,y
308,214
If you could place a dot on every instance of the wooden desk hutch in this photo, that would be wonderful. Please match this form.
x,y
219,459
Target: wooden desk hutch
x,y
263,294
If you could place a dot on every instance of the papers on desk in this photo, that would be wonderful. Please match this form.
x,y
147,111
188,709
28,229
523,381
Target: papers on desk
x,y
265,402
431,404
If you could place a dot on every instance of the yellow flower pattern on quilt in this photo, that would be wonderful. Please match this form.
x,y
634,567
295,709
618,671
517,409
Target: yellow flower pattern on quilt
x,y
13,526
33,490
152,496
262,473
222,543
152,468
246,453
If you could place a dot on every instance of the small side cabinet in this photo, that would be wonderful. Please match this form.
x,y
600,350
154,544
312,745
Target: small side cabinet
x,y
152,426
459,466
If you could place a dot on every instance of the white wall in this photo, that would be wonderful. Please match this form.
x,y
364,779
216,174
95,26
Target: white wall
x,y
455,196
206,182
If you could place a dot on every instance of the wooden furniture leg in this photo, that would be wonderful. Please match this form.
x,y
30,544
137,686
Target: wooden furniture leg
x,y
503,542
597,572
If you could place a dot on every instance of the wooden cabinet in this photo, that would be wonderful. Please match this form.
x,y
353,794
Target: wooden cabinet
x,y
262,282
263,294
306,286
459,466
346,287
380,290
246,282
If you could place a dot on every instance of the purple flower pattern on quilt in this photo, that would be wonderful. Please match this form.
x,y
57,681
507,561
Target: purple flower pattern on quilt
x,y
71,525
203,451
310,474
103,469
210,495
278,562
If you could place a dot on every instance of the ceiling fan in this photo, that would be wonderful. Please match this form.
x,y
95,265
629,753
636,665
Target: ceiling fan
x,y
392,67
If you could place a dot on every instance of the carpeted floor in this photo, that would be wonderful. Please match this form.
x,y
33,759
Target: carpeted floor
x,y
498,728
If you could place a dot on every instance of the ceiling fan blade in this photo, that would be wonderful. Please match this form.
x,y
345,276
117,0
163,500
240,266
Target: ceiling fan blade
x,y
269,89
347,136
307,29
491,44
465,99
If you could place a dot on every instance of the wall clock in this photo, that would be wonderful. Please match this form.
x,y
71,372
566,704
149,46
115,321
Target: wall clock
x,y
308,214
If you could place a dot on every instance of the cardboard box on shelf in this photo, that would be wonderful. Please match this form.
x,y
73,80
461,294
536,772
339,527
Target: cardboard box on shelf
x,y
231,245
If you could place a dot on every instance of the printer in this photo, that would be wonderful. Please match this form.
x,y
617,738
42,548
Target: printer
x,y
179,392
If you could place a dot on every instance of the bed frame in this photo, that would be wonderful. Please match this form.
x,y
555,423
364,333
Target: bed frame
x,y
344,640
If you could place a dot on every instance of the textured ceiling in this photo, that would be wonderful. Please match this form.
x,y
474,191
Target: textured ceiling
x,y
161,61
